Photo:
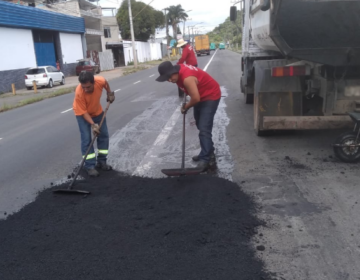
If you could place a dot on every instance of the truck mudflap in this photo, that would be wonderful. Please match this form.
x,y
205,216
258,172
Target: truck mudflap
x,y
276,97
306,122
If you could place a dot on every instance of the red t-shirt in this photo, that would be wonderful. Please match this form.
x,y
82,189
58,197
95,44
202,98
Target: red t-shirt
x,y
208,88
188,56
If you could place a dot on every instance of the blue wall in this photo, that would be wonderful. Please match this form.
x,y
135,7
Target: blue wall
x,y
26,17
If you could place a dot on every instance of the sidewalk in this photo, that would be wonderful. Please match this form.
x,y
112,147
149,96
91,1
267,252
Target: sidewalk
x,y
23,97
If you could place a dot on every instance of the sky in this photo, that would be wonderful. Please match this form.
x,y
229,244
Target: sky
x,y
210,12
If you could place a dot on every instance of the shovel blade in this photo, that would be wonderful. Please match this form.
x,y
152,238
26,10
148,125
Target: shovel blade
x,y
182,171
71,191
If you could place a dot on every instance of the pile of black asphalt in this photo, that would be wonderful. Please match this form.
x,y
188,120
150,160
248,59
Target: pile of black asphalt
x,y
196,227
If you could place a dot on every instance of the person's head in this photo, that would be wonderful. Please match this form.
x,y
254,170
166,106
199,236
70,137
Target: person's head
x,y
168,72
86,80
181,43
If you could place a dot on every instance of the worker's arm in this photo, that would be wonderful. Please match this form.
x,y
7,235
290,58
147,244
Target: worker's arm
x,y
183,56
107,87
110,94
87,117
190,84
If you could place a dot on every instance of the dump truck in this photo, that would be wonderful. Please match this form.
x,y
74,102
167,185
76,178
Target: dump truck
x,y
202,45
300,62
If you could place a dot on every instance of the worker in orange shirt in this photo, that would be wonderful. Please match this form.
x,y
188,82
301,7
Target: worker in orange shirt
x,y
88,112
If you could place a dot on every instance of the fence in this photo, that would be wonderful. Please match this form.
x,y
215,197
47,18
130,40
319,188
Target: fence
x,y
106,60
145,51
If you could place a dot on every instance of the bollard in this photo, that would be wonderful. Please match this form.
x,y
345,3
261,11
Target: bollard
x,y
34,85
13,89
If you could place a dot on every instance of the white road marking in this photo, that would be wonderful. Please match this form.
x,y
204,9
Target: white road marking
x,y
150,158
207,65
146,164
117,90
137,82
66,111
152,75
0,138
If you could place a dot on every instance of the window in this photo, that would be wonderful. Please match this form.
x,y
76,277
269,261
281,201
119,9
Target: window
x,y
53,69
49,70
107,32
35,71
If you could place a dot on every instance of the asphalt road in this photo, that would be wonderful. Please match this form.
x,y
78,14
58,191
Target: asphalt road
x,y
308,198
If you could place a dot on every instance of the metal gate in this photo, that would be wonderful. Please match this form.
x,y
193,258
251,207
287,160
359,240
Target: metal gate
x,y
44,48
45,54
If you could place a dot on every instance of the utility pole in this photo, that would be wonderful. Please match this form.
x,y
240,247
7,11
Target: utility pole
x,y
132,35
167,28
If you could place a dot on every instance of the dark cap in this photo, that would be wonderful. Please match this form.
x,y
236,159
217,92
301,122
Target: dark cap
x,y
166,69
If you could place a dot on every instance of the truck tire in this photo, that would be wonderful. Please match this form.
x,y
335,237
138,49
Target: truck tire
x,y
248,97
347,154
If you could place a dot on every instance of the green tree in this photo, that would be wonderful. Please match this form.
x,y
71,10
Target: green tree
x,y
176,14
145,20
227,31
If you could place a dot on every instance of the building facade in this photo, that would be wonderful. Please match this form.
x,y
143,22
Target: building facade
x,y
33,37
112,39
89,12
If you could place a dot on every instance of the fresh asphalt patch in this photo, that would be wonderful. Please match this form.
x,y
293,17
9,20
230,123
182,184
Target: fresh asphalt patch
x,y
198,227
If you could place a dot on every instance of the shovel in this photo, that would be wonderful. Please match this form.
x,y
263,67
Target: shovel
x,y
182,171
70,189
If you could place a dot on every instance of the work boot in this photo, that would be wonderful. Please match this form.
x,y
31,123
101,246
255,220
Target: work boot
x,y
92,172
203,165
103,166
212,157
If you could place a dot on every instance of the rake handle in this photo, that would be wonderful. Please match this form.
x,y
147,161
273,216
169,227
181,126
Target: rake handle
x,y
89,148
183,137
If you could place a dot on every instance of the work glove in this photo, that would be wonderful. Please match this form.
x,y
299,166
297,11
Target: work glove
x,y
96,129
110,97
183,110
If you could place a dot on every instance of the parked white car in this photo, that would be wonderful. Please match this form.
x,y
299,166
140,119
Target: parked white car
x,y
44,76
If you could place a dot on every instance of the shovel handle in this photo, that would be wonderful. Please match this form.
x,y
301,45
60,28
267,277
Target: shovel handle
x,y
89,148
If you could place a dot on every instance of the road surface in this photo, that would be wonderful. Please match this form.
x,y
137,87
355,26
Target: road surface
x,y
308,199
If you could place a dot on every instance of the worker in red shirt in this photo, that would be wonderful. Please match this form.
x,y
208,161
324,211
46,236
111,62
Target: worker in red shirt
x,y
88,112
204,94
188,54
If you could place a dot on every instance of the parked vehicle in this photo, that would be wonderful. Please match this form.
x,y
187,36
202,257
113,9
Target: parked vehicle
x,y
212,46
87,65
300,63
347,145
221,46
202,45
44,76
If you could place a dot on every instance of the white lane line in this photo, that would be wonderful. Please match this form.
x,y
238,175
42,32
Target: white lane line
x,y
0,138
150,158
137,82
66,111
152,75
117,90
207,65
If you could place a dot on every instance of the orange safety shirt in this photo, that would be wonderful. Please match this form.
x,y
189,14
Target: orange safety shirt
x,y
89,102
